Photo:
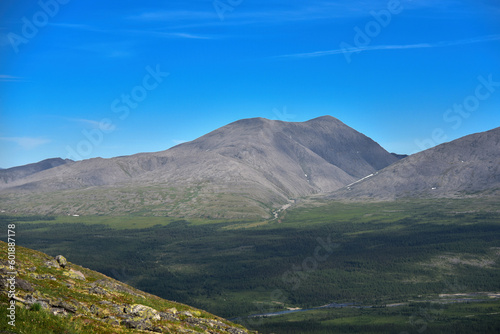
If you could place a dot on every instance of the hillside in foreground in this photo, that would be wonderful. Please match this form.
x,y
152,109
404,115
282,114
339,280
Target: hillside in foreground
x,y
56,296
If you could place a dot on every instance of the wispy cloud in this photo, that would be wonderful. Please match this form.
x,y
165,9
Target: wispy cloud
x,y
266,13
130,47
174,15
483,39
9,78
166,34
78,26
89,123
128,32
187,35
27,143
281,12
189,21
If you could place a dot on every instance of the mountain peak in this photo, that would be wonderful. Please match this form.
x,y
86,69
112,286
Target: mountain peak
x,y
256,162
262,121
251,121
326,118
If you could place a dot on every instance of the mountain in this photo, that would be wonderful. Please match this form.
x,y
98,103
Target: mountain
x,y
52,295
244,169
466,166
16,173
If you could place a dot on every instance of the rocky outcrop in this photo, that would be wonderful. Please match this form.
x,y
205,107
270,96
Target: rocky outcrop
x,y
54,285
61,260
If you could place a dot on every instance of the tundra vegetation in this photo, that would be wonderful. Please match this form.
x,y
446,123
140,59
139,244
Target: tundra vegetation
x,y
401,266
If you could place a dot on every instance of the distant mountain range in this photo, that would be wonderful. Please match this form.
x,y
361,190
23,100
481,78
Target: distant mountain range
x,y
249,168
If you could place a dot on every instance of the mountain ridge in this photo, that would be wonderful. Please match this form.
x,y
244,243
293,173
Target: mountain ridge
x,y
255,164
18,172
462,167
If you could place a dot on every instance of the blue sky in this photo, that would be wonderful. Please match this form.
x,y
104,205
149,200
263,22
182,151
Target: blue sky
x,y
81,79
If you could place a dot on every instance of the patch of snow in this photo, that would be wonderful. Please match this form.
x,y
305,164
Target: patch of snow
x,y
359,180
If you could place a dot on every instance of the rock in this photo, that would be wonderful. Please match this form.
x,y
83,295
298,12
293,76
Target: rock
x,y
200,323
29,299
61,260
142,311
44,304
65,306
116,287
84,308
111,320
75,274
51,264
94,309
4,285
187,314
137,324
24,285
58,311
105,302
169,316
97,290
44,276
235,331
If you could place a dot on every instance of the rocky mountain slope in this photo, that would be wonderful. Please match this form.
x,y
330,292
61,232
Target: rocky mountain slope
x,y
464,167
53,295
242,170
20,172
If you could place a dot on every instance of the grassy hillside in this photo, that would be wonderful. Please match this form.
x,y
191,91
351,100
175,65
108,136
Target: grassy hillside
x,y
369,254
54,296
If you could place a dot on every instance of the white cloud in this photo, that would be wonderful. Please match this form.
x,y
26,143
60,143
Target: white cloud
x,y
89,123
9,78
174,15
482,39
27,143
128,32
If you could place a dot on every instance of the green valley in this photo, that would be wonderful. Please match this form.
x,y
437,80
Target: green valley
x,y
368,256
